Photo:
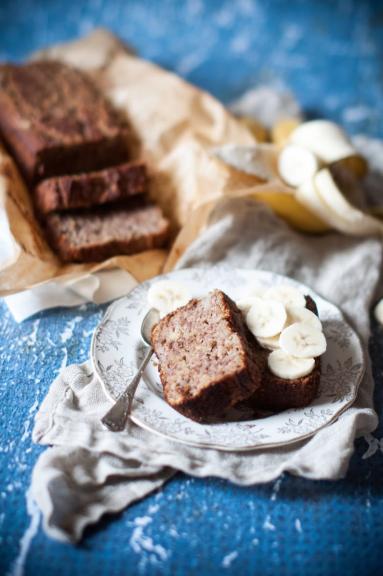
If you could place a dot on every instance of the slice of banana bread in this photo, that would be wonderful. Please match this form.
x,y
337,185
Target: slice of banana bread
x,y
92,189
55,121
92,236
280,394
209,360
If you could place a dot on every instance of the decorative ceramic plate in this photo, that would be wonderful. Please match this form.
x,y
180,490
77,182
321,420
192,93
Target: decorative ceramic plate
x,y
117,351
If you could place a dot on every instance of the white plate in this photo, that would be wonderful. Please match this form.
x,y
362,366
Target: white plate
x,y
117,351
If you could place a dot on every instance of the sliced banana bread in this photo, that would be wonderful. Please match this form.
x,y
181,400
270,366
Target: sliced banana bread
x,y
92,189
55,121
279,394
92,236
209,360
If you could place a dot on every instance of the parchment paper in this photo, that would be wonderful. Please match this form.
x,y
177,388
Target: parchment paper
x,y
177,125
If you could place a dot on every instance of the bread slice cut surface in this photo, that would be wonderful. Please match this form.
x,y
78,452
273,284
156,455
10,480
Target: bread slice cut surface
x,y
92,236
95,188
208,357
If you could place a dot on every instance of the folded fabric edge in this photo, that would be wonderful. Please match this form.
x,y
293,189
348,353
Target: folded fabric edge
x,y
98,287
124,494
348,427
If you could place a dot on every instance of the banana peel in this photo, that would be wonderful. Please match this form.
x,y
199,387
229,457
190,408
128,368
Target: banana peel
x,y
300,206
256,128
285,205
357,165
377,211
270,189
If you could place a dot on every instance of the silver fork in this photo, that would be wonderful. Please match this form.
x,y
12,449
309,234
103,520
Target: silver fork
x,y
115,419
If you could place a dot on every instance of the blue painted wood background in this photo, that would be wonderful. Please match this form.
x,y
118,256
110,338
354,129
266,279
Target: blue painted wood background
x,y
330,54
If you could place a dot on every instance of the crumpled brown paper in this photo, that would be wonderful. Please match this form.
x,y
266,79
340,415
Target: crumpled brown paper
x,y
177,126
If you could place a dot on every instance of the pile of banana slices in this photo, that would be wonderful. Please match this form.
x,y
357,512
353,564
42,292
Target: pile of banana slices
x,y
313,174
280,321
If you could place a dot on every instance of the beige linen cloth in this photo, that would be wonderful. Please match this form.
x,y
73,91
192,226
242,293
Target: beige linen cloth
x,y
90,471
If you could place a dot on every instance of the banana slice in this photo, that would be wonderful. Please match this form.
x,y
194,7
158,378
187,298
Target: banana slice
x,y
299,314
266,317
286,294
244,304
259,160
309,197
288,367
325,139
297,164
271,343
302,340
167,295
378,311
349,219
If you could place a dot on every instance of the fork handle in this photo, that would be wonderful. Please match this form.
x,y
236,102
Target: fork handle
x,y
115,418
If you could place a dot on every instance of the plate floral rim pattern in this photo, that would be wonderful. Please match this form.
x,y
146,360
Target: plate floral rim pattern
x,y
116,350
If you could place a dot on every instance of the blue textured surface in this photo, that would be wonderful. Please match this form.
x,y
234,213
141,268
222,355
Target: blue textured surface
x,y
330,54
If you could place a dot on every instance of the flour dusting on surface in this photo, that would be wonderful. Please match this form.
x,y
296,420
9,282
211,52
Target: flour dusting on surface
x,y
153,508
63,361
246,7
32,337
276,488
268,525
224,18
374,445
68,330
190,62
357,114
229,558
27,423
140,542
240,44
26,540
291,35
195,7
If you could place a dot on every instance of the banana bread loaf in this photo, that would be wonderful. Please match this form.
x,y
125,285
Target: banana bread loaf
x,y
209,360
55,121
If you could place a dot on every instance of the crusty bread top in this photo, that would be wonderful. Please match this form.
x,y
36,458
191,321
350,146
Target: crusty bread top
x,y
58,104
55,121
